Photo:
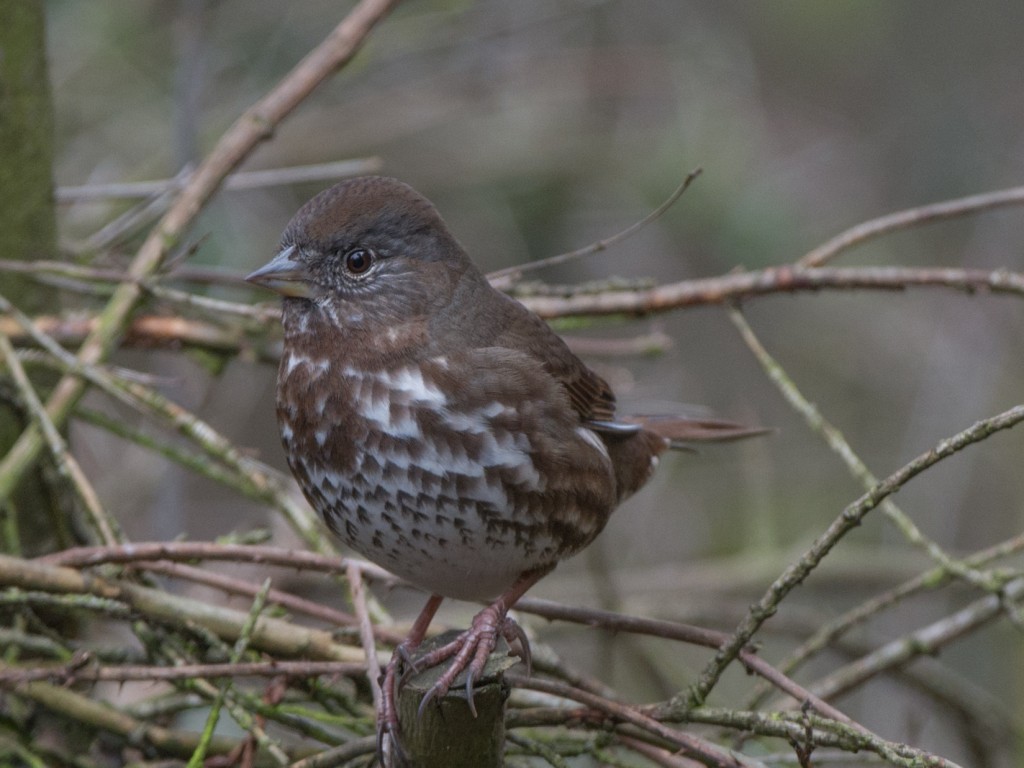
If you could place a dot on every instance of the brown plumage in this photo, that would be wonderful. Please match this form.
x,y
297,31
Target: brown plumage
x,y
441,429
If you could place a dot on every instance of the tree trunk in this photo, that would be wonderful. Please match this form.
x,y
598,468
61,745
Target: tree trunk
x,y
32,519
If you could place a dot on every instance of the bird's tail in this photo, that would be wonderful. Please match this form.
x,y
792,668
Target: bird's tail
x,y
681,431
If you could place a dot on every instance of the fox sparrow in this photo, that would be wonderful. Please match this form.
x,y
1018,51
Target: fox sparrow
x,y
441,429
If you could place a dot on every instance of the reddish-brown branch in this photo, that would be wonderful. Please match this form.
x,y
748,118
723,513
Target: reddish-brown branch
x,y
171,331
686,633
82,557
142,553
277,596
708,753
657,755
773,280
366,633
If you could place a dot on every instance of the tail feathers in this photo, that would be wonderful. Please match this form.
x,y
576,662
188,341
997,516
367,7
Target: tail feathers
x,y
634,442
679,430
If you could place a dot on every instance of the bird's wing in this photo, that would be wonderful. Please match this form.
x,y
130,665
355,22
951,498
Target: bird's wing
x,y
590,395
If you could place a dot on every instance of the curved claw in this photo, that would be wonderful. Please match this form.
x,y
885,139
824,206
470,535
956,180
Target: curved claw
x,y
511,631
409,667
472,669
403,653
469,692
429,696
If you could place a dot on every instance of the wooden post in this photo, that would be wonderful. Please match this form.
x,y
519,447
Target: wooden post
x,y
447,735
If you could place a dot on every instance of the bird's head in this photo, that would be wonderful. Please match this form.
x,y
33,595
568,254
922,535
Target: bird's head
x,y
368,248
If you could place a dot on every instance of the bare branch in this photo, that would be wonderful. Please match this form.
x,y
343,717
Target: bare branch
x,y
103,523
235,181
912,217
358,592
83,557
773,280
708,753
926,641
503,279
617,622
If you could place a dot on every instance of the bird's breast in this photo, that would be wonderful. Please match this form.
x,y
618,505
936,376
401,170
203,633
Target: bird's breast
x,y
443,487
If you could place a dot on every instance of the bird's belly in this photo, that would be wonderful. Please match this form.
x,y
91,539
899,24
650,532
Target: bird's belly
x,y
447,495
460,534
455,508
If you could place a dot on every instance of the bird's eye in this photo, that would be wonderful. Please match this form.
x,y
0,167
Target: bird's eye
x,y
358,260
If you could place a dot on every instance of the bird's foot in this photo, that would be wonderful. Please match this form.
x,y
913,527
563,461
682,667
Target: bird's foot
x,y
478,642
469,652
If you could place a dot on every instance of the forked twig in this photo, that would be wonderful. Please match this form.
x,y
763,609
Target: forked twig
x,y
503,279
357,590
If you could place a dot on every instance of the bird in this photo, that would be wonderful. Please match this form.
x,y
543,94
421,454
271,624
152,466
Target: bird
x,y
440,428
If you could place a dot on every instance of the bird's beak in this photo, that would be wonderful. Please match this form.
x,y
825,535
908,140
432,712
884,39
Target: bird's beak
x,y
284,275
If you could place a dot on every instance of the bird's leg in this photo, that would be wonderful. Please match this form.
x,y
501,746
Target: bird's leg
x,y
469,651
387,718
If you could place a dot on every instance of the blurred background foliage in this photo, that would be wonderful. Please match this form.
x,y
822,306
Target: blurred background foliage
x,y
542,125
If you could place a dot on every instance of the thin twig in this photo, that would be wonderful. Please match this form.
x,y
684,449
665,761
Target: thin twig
x,y
83,557
502,279
709,754
197,759
658,756
278,597
931,579
911,217
357,590
340,755
270,177
104,524
708,638
132,221
773,280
